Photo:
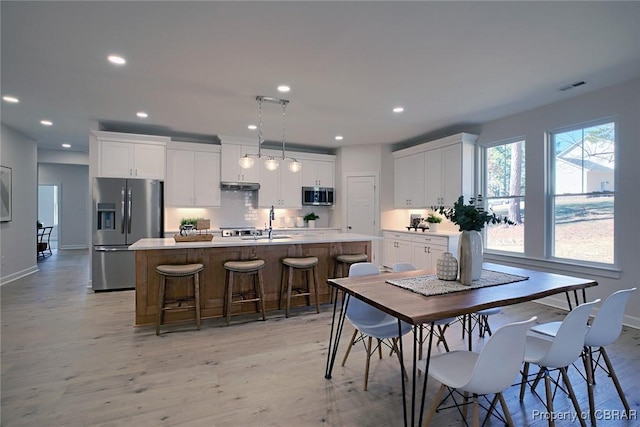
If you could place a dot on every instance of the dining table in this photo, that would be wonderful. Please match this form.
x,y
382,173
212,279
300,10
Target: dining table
x,y
418,298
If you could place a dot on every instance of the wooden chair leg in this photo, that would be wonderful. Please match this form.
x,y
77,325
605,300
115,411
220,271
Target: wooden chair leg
x,y
366,368
289,289
196,293
229,288
351,341
588,369
315,287
614,377
380,349
549,394
572,395
523,384
283,282
434,406
261,290
505,410
160,317
476,411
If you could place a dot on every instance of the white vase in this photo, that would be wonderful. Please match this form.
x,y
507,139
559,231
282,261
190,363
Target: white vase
x,y
470,254
433,227
312,223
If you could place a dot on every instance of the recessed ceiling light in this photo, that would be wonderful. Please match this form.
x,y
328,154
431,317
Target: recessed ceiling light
x,y
398,109
46,122
252,127
339,137
283,88
65,145
11,99
142,114
118,60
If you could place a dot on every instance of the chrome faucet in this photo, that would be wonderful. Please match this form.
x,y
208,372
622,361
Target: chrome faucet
x,y
272,216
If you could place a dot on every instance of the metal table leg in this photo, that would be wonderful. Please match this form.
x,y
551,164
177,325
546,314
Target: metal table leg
x,y
334,340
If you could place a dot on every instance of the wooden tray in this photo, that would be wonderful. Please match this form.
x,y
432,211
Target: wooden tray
x,y
193,238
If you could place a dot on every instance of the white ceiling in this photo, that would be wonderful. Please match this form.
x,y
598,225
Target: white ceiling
x,y
196,67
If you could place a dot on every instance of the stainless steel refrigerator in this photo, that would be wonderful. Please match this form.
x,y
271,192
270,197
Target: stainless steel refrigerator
x,y
124,211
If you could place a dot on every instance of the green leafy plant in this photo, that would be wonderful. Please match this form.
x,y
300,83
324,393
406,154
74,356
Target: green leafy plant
x,y
311,216
189,221
471,216
432,218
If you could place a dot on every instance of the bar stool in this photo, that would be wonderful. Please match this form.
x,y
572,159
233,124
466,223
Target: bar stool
x,y
252,267
290,265
346,260
174,271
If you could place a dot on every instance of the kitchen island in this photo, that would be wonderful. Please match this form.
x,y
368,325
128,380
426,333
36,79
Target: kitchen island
x,y
213,254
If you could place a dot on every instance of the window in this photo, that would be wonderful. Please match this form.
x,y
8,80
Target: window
x,y
582,193
504,167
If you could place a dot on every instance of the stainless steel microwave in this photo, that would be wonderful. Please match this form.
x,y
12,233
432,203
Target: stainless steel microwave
x,y
317,196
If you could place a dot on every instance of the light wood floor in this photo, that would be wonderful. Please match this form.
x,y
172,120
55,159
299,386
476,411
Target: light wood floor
x,y
71,357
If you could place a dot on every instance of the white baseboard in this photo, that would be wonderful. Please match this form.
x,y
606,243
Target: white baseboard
x,y
15,276
73,247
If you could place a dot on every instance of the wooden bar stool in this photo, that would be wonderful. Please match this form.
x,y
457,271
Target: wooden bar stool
x,y
164,304
254,268
290,265
346,260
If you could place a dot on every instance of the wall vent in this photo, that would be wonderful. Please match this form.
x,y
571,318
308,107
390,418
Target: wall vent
x,y
572,85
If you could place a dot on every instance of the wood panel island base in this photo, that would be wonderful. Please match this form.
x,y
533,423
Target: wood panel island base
x,y
153,252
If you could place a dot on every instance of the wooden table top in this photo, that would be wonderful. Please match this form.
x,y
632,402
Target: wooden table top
x,y
417,309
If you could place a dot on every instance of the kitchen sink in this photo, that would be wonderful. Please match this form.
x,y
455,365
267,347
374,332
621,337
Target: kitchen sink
x,y
264,237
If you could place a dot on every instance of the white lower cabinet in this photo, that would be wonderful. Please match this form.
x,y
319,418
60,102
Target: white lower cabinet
x,y
397,248
422,250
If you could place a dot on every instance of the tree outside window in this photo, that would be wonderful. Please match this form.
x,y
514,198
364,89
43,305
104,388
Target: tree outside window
x,y
504,167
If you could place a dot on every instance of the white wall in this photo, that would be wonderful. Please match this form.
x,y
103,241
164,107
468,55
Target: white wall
x,y
73,179
18,236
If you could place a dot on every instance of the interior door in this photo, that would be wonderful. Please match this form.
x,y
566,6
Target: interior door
x,y
361,209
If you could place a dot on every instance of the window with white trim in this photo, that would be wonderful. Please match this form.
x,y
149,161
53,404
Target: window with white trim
x,y
582,193
504,181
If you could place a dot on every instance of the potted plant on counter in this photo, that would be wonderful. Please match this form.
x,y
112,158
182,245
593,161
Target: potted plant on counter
x,y
433,221
310,218
470,219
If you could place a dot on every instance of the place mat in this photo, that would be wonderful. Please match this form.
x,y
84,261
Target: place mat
x,y
431,285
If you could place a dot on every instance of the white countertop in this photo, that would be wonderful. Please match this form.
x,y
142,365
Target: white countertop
x,y
221,242
425,233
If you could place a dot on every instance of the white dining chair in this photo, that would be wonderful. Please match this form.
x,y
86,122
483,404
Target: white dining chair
x,y
488,372
370,323
605,329
441,325
557,353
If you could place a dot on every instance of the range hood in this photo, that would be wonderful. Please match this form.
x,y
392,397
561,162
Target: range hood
x,y
239,186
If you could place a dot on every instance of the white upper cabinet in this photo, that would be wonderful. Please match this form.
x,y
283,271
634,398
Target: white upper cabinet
x,y
193,175
231,170
409,181
444,172
317,173
129,155
280,188
449,173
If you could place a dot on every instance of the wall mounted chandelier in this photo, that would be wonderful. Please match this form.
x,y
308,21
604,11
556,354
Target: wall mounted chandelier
x,y
271,163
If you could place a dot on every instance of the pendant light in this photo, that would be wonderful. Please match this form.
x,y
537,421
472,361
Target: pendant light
x,y
271,163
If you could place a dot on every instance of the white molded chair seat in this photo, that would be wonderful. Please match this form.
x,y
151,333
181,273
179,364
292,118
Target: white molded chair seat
x,y
605,329
557,353
370,322
489,372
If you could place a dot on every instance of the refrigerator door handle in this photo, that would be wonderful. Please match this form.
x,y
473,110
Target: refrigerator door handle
x,y
129,210
122,210
111,248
